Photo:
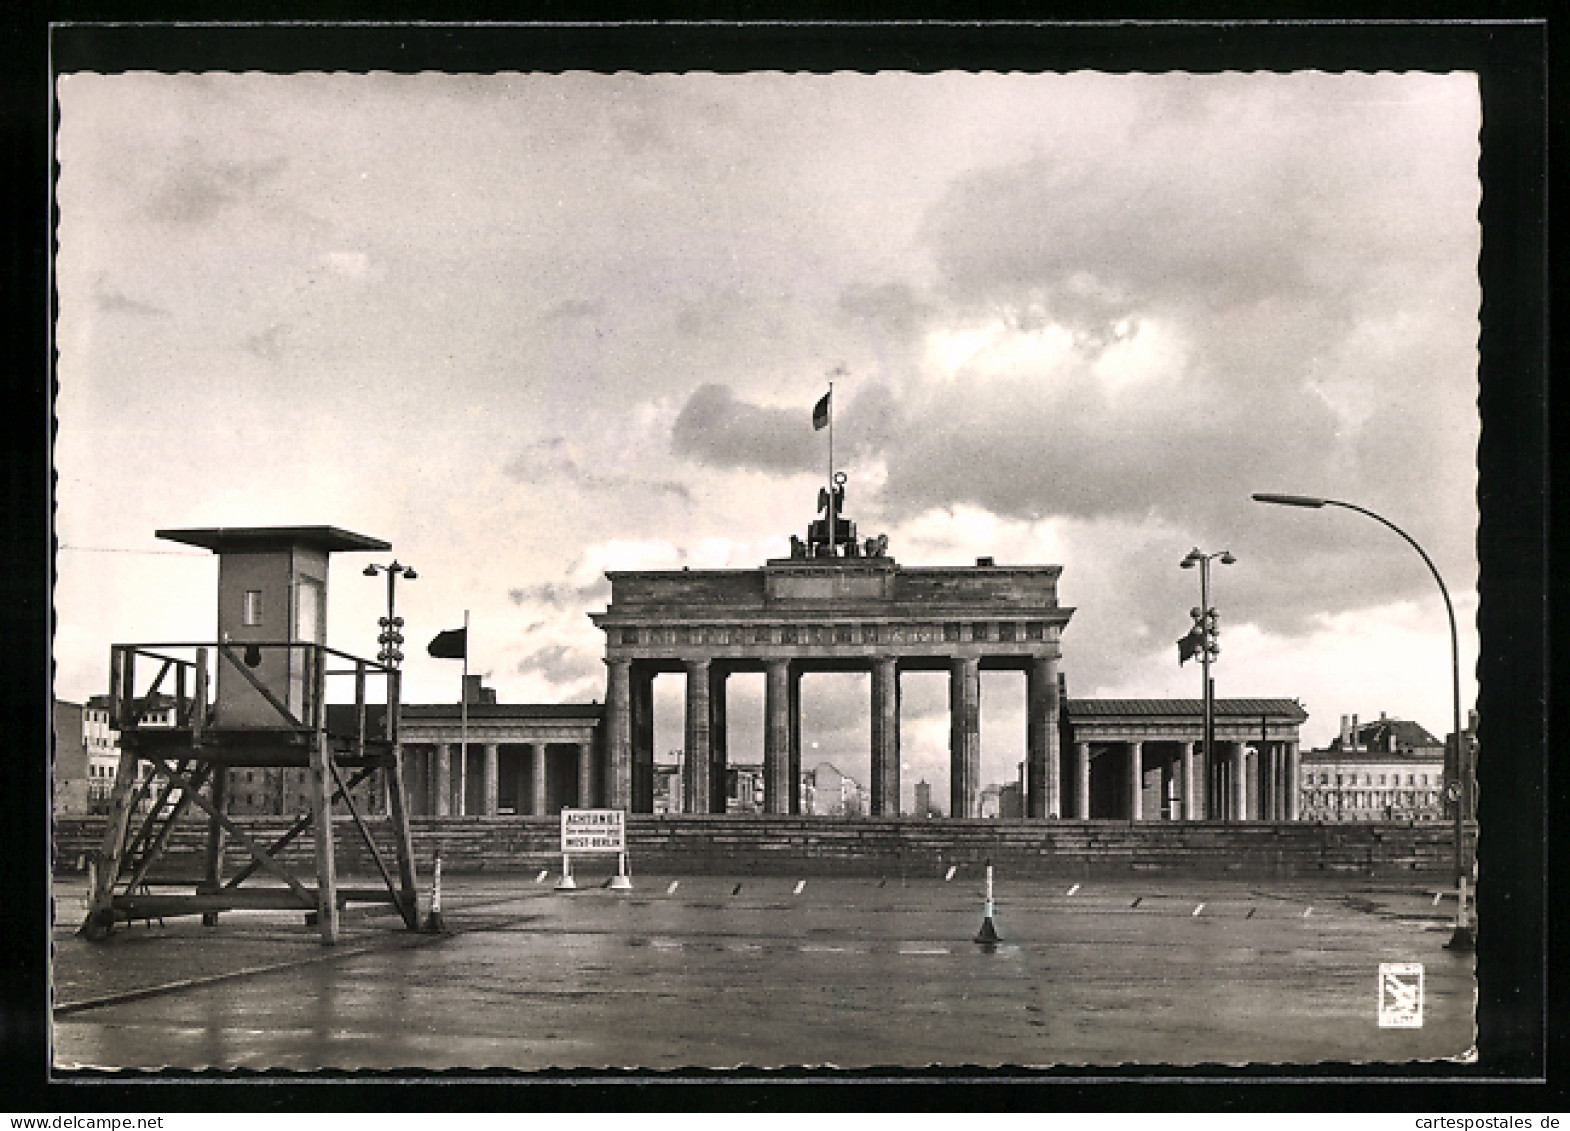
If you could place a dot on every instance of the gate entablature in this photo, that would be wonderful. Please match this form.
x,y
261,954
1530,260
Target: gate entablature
x,y
847,610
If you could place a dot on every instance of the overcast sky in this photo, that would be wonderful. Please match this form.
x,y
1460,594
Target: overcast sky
x,y
531,327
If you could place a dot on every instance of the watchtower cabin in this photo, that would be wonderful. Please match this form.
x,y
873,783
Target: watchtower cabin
x,y
267,693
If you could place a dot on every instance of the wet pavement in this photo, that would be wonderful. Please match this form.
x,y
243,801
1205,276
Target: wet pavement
x,y
726,972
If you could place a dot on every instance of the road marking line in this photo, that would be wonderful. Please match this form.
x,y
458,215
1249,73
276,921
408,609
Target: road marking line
x,y
1307,911
800,884
672,889
1197,910
924,950
1073,889
815,948
665,944
540,879
952,869
1438,895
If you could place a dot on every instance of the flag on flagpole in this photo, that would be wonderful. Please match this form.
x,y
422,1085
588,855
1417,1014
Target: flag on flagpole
x,y
450,645
1190,645
820,413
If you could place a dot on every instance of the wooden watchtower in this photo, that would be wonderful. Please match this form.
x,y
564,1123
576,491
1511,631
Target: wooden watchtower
x,y
268,693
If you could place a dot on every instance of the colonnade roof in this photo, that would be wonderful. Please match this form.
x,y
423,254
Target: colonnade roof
x,y
1281,710
505,711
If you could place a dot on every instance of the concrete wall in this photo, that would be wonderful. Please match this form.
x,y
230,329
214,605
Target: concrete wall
x,y
751,844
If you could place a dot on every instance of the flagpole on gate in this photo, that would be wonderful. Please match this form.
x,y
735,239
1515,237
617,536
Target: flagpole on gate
x,y
833,502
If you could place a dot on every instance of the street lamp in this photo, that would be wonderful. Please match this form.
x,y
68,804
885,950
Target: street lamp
x,y
391,636
1461,786
1204,634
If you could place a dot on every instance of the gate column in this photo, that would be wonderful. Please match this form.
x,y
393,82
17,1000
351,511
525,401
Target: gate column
x,y
441,788
885,737
718,757
585,775
618,734
1082,780
537,755
1042,757
1239,783
1294,773
641,709
695,785
776,736
964,735
1186,757
1136,781
492,786
793,685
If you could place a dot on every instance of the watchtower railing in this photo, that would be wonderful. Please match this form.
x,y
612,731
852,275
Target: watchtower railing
x,y
193,666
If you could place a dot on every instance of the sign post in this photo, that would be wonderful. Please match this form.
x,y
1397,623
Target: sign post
x,y
594,831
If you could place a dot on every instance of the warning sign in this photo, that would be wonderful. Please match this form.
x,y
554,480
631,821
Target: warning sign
x,y
593,830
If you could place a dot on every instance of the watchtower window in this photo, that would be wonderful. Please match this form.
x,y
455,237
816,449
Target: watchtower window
x,y
252,614
1006,631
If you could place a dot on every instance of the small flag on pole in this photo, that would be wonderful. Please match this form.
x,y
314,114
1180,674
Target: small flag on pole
x,y
450,645
1190,645
820,413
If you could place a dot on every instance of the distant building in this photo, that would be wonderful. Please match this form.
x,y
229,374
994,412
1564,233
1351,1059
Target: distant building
x,y
924,800
1389,770
102,743
667,787
70,760
829,793
744,788
990,802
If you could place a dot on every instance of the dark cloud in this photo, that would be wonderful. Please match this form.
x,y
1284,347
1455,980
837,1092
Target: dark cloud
x,y
555,460
198,190
717,429
267,344
574,309
559,664
560,596
113,302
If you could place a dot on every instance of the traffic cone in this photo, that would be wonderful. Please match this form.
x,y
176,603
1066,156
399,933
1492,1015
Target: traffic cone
x,y
433,920
988,935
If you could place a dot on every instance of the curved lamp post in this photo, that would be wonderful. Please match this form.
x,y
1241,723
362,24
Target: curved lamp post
x,y
1205,620
1460,788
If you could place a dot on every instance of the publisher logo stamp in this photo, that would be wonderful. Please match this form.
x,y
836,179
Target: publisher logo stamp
x,y
1400,995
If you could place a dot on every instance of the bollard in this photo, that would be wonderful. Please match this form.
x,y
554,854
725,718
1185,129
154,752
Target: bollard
x,y
1462,938
566,882
988,933
433,921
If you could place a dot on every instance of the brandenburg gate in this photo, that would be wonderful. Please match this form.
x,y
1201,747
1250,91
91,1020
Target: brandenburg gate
x,y
837,605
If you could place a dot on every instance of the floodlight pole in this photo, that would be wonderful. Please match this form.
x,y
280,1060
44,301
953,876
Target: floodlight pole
x,y
1207,643
1463,784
